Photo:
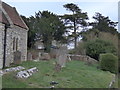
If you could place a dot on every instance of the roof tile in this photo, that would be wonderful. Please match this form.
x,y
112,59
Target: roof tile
x,y
14,16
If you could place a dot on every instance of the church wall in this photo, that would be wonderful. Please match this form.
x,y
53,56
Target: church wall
x,y
19,35
1,44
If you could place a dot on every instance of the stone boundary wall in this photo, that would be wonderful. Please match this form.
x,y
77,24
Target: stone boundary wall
x,y
83,58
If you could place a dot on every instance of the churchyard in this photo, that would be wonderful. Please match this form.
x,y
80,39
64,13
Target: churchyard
x,y
76,74
57,69
36,54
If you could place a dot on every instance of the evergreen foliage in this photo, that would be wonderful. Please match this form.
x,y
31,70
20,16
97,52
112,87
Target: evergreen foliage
x,y
75,21
103,23
45,26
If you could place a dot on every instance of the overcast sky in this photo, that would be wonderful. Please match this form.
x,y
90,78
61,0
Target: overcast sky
x,y
29,7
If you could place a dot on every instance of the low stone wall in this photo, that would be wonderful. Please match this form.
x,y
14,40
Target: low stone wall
x,y
83,58
38,55
33,54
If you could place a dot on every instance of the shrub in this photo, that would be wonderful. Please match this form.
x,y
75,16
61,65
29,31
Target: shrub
x,y
96,47
80,49
109,62
119,64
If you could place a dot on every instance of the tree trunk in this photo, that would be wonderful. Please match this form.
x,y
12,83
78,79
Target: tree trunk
x,y
47,45
75,43
75,37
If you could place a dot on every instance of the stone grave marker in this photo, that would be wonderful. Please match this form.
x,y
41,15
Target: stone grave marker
x,y
53,52
12,69
27,73
62,56
44,56
17,57
39,56
29,56
57,67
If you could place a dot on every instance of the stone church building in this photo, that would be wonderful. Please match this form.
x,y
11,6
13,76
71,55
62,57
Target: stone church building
x,y
13,36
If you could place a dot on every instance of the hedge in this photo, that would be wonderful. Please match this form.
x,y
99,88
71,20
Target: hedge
x,y
109,62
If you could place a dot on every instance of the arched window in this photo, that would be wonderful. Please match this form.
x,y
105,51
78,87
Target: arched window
x,y
15,44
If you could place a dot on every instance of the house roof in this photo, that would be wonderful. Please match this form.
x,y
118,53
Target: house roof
x,y
13,15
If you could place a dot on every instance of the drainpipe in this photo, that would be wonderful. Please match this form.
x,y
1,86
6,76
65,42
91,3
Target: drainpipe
x,y
5,38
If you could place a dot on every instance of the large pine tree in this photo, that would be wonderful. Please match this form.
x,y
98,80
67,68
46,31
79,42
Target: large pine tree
x,y
74,21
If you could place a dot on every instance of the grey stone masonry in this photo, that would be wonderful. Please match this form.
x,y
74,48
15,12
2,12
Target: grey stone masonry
x,y
14,32
16,35
1,44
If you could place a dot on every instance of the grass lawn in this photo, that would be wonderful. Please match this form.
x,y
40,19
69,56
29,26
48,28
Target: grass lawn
x,y
75,75
119,81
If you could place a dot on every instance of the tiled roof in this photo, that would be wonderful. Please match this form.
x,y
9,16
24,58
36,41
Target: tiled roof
x,y
3,19
13,14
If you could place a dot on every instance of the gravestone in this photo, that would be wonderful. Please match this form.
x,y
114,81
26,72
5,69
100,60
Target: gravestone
x,y
53,52
17,57
62,56
69,58
13,69
44,56
39,56
29,56
57,67
27,73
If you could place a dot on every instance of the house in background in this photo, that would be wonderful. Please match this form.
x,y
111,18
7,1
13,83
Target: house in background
x,y
13,36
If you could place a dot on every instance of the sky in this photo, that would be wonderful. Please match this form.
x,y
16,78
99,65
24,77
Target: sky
x,y
29,7
119,16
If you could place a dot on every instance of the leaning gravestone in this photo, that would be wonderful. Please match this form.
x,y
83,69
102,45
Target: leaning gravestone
x,y
62,56
17,57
